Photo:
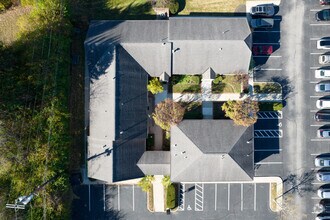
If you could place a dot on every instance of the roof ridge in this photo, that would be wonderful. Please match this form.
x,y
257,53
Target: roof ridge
x,y
242,168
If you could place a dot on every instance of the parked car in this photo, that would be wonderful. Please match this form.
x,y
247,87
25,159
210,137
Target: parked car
x,y
321,161
323,43
322,73
323,176
322,115
262,23
324,205
323,102
324,59
262,50
323,15
264,10
324,2
324,193
323,133
323,217
323,86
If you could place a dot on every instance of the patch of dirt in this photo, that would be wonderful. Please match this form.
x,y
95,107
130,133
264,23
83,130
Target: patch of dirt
x,y
8,23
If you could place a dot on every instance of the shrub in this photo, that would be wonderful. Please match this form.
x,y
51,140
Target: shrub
x,y
146,182
173,6
170,197
155,86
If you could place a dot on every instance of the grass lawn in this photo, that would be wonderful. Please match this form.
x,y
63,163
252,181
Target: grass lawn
x,y
186,84
273,195
270,106
170,197
226,84
193,110
268,87
210,6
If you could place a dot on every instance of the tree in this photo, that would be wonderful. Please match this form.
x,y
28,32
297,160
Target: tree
x,y
168,113
242,112
166,181
155,86
146,182
173,5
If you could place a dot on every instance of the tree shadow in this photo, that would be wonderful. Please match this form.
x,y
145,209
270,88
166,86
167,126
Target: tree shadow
x,y
287,87
182,5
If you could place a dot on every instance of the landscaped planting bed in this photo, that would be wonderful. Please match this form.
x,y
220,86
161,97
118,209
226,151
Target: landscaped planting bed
x,y
193,110
186,84
270,106
267,87
170,197
226,84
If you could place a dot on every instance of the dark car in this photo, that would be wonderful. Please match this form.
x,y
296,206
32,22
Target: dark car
x,y
264,10
324,2
325,205
323,15
262,50
322,115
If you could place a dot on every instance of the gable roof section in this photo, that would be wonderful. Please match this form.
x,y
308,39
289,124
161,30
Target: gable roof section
x,y
155,163
211,151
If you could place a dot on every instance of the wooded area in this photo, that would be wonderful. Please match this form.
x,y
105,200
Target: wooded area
x,y
34,118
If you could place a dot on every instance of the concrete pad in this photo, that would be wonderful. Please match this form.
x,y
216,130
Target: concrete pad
x,y
158,193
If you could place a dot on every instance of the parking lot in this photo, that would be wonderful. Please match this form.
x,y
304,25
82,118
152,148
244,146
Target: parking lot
x,y
216,201
317,30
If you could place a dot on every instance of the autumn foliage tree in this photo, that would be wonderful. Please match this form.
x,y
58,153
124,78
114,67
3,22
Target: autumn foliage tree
x,y
242,112
168,113
155,86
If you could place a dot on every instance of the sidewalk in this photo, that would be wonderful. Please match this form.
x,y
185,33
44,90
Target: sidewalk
x,y
158,193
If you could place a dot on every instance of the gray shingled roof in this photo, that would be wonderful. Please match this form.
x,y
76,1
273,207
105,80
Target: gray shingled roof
x,y
211,151
155,163
119,57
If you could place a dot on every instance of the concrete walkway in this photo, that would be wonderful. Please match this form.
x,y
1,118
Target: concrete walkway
x,y
193,97
158,193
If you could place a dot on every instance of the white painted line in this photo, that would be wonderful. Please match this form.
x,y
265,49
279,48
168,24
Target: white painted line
x,y
215,196
315,125
266,31
314,68
256,56
118,197
320,24
268,150
315,96
317,183
241,197
313,82
133,197
269,163
315,198
320,139
274,43
277,19
89,197
314,38
269,69
316,53
255,197
314,155
103,197
315,9
313,110
228,196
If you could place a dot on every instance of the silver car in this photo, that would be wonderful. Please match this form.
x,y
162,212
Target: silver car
x,y
323,86
323,193
324,59
264,10
262,23
323,133
322,161
323,176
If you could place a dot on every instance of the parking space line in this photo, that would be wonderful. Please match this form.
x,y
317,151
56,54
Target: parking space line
x,y
215,196
228,196
316,53
199,196
103,197
133,196
317,183
266,31
260,163
274,43
267,56
255,197
314,38
315,96
270,115
320,139
315,198
268,133
314,68
118,197
89,197
315,10
319,24
315,125
280,149
314,154
313,110
270,69
313,82
241,197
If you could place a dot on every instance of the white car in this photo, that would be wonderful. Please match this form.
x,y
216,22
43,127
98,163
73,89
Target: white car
x,y
323,103
321,161
323,133
324,59
322,73
323,43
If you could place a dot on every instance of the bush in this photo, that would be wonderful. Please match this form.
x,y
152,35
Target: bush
x,y
173,7
155,86
170,197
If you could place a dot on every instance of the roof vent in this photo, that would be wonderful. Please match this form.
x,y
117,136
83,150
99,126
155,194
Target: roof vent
x,y
183,152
